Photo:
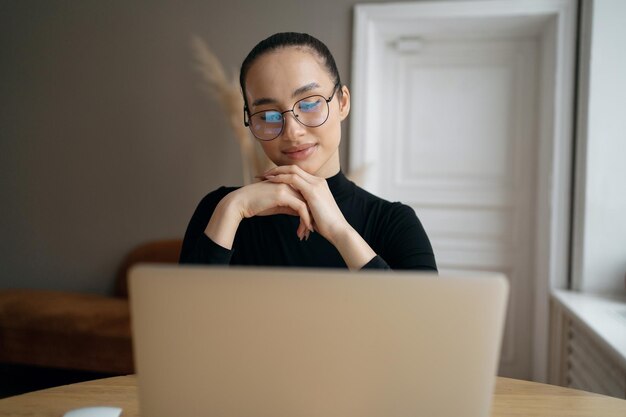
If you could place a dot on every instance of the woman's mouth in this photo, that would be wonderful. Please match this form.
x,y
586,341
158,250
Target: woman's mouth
x,y
298,153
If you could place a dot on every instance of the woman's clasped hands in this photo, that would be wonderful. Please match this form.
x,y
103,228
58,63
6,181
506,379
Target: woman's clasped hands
x,y
288,189
283,190
323,214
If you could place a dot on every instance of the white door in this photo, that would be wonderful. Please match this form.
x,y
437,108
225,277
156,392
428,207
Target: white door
x,y
449,123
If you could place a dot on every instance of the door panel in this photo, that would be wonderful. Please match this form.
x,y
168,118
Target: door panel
x,y
460,141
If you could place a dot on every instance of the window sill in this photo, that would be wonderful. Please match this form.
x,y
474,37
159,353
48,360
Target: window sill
x,y
603,316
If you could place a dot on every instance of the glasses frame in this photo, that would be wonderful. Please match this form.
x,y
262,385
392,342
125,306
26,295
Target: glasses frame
x,y
247,116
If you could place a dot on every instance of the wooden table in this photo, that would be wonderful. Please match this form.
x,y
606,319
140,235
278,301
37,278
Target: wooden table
x,y
512,398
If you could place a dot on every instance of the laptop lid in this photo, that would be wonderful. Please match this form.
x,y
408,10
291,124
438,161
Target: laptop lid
x,y
212,341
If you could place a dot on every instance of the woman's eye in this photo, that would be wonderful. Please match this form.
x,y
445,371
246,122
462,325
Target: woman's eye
x,y
310,105
271,117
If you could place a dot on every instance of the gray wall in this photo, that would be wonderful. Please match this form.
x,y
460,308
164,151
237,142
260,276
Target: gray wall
x,y
106,139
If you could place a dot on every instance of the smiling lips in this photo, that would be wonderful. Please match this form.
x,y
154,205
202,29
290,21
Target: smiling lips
x,y
298,153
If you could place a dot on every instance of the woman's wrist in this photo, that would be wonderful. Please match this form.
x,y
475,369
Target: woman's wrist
x,y
341,233
354,250
224,222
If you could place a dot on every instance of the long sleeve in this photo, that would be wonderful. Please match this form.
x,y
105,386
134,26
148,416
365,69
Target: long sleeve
x,y
403,243
198,248
376,263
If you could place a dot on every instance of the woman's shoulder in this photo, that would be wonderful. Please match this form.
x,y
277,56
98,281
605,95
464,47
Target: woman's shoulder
x,y
382,204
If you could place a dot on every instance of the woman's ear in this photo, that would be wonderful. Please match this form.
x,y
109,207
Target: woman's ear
x,y
344,102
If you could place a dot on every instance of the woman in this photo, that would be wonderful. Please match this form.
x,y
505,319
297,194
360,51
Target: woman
x,y
304,212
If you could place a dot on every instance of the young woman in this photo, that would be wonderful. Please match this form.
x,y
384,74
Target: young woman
x,y
304,212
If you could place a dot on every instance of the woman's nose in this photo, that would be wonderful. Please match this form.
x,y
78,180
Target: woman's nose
x,y
292,128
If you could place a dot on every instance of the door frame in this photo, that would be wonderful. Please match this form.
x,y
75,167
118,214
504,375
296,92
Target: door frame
x,y
557,34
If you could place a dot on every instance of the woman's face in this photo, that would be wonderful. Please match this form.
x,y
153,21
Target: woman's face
x,y
276,80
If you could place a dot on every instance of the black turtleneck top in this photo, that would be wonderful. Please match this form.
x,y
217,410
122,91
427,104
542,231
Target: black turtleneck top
x,y
392,230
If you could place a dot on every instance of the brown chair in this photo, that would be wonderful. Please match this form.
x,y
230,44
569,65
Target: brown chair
x,y
162,251
76,331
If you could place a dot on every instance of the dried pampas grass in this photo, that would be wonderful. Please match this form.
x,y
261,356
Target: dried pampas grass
x,y
228,94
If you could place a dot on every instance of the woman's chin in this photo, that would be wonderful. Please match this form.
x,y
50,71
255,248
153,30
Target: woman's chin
x,y
313,166
308,167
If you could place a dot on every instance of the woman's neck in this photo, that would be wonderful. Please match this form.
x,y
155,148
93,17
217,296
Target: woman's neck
x,y
331,167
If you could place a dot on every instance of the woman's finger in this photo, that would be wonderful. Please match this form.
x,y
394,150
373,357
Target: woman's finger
x,y
305,220
286,197
290,169
295,180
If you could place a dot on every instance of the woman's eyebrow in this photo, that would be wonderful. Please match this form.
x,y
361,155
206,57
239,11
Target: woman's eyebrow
x,y
264,100
305,88
297,92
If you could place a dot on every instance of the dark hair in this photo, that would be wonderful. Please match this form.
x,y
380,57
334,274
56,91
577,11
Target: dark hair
x,y
284,40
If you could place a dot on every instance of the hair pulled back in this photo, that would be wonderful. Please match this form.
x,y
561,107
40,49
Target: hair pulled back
x,y
284,40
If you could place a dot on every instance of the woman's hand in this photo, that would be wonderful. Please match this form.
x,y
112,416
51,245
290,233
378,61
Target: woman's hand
x,y
265,198
258,199
327,218
290,190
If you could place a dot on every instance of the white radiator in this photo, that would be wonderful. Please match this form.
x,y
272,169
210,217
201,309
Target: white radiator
x,y
580,358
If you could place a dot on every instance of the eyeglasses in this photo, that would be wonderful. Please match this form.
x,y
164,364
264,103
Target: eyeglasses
x,y
310,111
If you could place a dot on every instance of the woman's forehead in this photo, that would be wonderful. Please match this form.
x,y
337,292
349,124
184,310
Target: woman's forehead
x,y
282,72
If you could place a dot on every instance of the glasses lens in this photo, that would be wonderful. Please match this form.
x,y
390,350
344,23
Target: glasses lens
x,y
266,125
311,111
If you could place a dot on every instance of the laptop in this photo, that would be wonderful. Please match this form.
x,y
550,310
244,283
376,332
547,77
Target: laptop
x,y
256,342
